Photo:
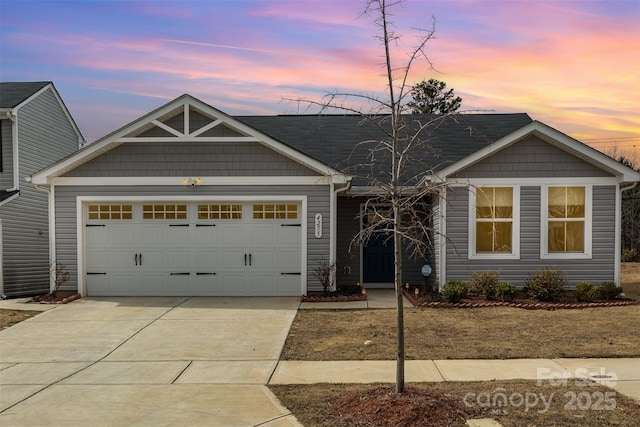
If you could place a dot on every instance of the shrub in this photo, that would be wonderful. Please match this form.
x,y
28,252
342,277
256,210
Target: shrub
x,y
505,291
630,255
455,290
586,291
546,284
609,290
484,283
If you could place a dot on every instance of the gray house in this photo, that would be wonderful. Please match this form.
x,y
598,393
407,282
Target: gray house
x,y
187,200
36,130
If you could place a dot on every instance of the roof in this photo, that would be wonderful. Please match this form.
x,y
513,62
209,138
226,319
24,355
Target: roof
x,y
336,140
13,94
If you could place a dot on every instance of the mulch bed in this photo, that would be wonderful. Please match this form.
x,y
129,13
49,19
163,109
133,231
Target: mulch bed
x,y
53,299
334,298
526,304
382,406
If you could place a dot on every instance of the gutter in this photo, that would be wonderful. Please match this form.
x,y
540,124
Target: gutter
x,y
333,225
52,230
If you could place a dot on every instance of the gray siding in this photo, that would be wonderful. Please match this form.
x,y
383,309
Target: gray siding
x,y
6,173
348,227
596,270
531,158
44,136
318,198
191,159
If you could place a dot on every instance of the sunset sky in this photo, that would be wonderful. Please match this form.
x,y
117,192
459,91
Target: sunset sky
x,y
574,65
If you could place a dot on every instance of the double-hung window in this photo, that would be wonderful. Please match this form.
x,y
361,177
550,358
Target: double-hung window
x,y
566,222
494,228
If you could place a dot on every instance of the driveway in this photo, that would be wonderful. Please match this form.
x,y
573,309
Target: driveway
x,y
146,361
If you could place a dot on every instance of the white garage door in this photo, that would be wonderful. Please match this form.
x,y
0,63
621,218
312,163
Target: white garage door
x,y
193,249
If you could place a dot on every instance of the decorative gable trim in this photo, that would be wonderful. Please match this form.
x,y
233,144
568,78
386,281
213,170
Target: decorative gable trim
x,y
552,136
133,133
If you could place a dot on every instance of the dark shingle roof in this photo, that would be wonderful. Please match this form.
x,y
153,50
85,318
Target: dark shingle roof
x,y
334,139
13,93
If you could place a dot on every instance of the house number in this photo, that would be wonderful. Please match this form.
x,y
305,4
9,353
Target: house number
x,y
318,226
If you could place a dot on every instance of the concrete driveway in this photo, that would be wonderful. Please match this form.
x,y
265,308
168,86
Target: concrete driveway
x,y
146,362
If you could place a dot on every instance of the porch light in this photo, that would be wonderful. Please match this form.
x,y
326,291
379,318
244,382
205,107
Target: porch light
x,y
417,291
191,181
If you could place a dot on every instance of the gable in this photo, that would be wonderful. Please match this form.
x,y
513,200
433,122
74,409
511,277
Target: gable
x,y
531,157
190,125
190,158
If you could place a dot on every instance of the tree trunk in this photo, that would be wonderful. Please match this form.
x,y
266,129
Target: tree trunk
x,y
397,241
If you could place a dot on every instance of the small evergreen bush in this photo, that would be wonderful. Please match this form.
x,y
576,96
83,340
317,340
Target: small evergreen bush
x,y
505,291
587,292
455,290
484,283
630,255
609,290
546,284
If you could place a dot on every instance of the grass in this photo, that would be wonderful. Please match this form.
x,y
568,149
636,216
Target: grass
x,y
313,405
11,317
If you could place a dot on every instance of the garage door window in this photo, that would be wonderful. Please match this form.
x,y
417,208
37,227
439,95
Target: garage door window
x,y
164,211
219,211
110,212
275,211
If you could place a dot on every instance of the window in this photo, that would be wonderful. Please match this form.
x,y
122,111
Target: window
x,y
110,212
275,211
566,227
219,211
164,211
494,223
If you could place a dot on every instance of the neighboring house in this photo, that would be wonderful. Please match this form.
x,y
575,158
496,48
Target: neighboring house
x,y
36,130
187,200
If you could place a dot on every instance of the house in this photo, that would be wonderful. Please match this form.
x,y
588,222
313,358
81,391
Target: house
x,y
188,200
36,130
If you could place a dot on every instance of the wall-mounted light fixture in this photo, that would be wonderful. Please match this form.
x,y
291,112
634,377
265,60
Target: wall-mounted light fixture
x,y
191,181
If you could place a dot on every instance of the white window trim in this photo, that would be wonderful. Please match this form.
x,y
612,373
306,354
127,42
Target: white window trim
x,y
515,232
544,221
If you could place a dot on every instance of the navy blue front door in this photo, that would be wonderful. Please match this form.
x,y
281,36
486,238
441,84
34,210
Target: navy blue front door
x,y
377,258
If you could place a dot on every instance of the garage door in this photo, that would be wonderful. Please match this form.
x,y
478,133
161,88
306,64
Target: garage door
x,y
193,249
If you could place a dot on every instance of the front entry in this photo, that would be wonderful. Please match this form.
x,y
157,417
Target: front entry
x,y
377,257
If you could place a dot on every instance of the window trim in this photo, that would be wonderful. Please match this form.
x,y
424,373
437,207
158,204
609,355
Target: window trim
x,y
515,230
544,223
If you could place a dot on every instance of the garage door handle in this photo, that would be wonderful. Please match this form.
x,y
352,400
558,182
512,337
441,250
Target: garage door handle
x,y
291,225
245,259
136,258
290,274
178,225
205,274
180,274
249,259
140,259
94,274
205,225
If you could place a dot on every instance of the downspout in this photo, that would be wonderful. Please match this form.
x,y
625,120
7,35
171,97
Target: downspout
x,y
333,225
52,230
618,227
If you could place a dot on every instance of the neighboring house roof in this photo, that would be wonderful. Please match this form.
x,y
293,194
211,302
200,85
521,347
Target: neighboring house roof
x,y
13,94
6,194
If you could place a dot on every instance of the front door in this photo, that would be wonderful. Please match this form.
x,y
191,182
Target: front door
x,y
377,254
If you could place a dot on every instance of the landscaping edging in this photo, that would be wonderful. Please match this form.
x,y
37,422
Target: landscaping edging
x,y
526,306
320,298
56,300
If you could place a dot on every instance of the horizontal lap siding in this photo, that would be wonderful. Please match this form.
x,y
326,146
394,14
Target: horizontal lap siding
x,y
6,172
531,158
317,203
596,270
191,159
44,136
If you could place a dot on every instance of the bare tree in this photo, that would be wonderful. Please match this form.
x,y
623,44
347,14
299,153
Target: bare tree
x,y
398,206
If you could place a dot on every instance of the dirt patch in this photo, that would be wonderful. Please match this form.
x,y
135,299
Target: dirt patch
x,y
11,317
474,333
574,403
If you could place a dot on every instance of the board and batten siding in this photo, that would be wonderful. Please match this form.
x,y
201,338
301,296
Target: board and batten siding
x,y
191,159
531,158
45,136
596,270
318,202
